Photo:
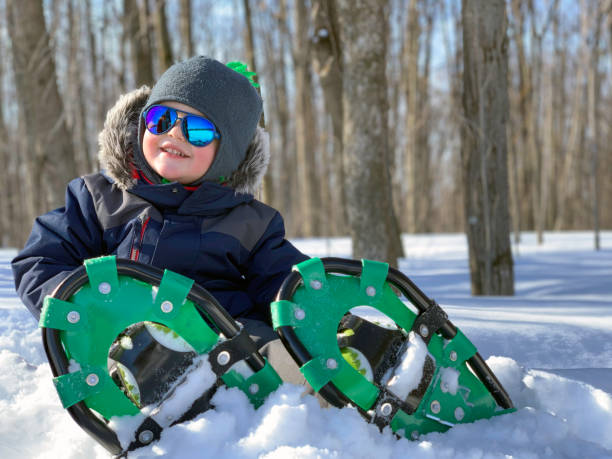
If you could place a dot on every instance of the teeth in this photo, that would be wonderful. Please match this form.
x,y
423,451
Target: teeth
x,y
172,151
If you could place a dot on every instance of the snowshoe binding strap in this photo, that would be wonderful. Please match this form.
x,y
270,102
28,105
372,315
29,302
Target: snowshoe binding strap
x,y
156,324
407,366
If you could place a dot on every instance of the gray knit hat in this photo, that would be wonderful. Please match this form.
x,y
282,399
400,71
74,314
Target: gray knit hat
x,y
225,96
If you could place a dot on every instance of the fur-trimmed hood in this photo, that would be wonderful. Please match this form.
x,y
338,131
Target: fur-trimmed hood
x,y
119,138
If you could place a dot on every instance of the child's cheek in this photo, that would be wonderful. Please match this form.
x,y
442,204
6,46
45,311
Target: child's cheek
x,y
149,145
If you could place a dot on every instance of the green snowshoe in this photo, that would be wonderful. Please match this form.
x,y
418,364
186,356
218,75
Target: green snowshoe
x,y
123,339
402,365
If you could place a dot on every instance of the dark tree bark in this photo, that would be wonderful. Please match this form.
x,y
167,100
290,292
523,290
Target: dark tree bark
x,y
185,26
6,217
75,105
136,25
305,127
267,189
483,146
373,226
162,42
283,151
328,66
49,154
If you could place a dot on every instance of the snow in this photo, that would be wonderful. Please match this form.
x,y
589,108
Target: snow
x,y
409,372
550,345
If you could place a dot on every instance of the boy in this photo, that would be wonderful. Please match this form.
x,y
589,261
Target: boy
x,y
181,164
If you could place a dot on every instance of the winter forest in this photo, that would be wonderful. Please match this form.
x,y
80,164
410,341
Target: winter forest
x,y
385,116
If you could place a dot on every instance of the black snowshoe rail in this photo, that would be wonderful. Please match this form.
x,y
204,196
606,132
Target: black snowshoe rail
x,y
206,304
417,298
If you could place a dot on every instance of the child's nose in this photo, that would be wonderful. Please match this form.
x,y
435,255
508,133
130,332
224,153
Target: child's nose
x,y
176,130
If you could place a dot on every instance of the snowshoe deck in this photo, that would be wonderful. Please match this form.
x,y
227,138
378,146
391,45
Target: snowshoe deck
x,y
418,373
121,304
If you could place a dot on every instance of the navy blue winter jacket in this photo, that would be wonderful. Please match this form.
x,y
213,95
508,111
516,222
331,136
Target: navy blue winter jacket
x,y
220,236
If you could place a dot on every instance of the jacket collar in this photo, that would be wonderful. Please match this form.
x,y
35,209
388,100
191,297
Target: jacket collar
x,y
119,138
208,199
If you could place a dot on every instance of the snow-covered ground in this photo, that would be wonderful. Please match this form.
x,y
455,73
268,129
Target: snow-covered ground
x,y
550,345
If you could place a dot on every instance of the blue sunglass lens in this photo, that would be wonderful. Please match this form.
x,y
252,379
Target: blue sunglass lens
x,y
198,131
160,119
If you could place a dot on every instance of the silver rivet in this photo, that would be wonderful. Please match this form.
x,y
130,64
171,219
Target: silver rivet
x,y
370,291
459,413
223,358
92,379
104,288
453,356
315,284
331,364
435,407
73,317
299,314
166,306
253,388
414,435
424,331
386,409
444,387
146,436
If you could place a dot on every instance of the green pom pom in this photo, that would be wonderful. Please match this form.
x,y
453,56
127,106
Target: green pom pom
x,y
243,70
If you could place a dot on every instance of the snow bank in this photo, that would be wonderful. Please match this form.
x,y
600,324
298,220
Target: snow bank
x,y
555,337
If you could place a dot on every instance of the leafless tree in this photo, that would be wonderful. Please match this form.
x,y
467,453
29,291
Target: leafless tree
x,y
162,37
185,27
49,156
373,225
136,26
305,127
483,149
328,66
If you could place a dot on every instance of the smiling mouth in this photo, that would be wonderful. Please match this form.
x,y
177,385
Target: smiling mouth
x,y
173,152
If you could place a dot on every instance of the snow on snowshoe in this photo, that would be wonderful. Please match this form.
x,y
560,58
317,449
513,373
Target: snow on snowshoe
x,y
402,365
134,349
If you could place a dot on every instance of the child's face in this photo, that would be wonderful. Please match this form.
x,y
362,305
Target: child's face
x,y
172,157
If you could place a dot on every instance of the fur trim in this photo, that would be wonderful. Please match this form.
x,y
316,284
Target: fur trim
x,y
249,175
119,138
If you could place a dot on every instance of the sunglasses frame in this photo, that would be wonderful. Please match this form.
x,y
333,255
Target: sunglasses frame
x,y
216,134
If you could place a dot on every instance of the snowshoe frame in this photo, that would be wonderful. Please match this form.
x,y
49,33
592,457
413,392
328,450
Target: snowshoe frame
x,y
312,302
70,323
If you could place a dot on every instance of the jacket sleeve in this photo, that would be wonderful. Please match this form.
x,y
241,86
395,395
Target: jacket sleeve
x,y
60,241
271,261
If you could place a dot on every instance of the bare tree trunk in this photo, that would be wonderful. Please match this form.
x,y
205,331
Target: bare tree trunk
x,y
593,98
411,161
267,189
455,71
283,158
98,97
185,27
570,173
162,42
525,151
559,134
374,228
137,28
76,103
327,64
6,217
483,146
49,151
305,127
424,190
248,38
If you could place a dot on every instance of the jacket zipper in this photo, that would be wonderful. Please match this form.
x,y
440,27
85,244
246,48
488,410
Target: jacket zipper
x,y
135,252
